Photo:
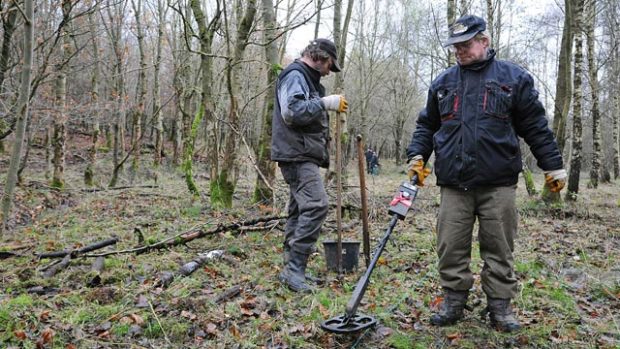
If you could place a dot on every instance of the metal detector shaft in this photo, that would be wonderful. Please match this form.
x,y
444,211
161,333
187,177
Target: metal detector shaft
x,y
362,284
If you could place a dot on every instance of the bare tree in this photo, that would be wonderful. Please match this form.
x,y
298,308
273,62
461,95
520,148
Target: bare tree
x,y
263,190
89,172
22,116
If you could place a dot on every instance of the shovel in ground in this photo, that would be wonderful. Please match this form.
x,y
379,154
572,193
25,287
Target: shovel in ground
x,y
351,321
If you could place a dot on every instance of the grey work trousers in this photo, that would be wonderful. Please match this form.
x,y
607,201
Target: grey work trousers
x,y
307,205
495,209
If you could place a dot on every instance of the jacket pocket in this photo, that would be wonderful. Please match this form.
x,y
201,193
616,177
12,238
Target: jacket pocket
x,y
497,99
448,100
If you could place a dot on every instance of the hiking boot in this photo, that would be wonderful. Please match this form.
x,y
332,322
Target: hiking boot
x,y
293,274
310,278
451,309
501,315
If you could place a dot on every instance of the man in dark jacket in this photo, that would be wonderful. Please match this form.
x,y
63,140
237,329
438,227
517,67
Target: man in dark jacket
x,y
300,133
475,113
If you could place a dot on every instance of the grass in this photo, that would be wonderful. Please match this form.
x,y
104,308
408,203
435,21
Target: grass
x,y
403,288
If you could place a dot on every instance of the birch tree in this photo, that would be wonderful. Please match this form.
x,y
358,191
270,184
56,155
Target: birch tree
x,y
589,25
576,139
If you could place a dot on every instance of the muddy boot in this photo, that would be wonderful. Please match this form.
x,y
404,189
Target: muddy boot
x,y
309,278
501,315
293,274
451,309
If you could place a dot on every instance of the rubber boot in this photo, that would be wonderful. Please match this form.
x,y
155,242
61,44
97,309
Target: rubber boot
x,y
293,274
501,315
451,309
309,278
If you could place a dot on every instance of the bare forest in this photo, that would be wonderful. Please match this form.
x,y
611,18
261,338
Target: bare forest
x,y
140,207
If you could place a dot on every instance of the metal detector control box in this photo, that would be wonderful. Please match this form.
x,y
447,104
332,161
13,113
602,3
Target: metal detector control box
x,y
402,201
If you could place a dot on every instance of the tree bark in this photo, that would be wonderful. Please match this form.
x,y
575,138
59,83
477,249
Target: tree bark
x,y
22,115
590,22
138,114
451,18
157,114
89,172
563,86
577,149
263,190
223,186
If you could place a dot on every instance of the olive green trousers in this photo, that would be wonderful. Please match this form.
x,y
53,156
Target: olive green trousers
x,y
495,209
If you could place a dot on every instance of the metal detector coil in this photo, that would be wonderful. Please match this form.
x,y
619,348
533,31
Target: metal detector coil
x,y
351,322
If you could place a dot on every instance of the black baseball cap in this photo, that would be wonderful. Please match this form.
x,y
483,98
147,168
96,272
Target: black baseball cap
x,y
329,47
464,29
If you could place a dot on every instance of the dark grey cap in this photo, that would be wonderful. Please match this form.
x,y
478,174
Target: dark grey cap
x,y
464,29
329,47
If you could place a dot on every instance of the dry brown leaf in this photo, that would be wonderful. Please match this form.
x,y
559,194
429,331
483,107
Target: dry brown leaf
x,y
435,303
44,316
47,335
453,336
188,315
70,346
323,311
104,334
137,319
19,334
234,330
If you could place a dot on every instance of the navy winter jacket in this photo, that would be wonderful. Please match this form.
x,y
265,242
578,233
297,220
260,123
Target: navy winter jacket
x,y
300,124
473,117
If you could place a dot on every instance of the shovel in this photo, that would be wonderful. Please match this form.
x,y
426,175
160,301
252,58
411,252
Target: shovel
x,y
351,321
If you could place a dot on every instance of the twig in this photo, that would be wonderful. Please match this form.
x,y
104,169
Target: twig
x,y
192,234
76,253
159,323
94,190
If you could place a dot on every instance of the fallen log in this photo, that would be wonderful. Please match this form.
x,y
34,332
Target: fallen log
x,y
76,253
58,267
196,233
95,272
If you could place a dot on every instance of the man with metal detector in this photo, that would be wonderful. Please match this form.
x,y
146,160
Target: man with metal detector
x,y
475,113
300,133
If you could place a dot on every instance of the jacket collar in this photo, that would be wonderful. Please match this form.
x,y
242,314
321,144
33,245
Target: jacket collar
x,y
314,74
481,64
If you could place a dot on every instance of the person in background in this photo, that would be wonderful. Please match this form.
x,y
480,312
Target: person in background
x,y
475,113
300,133
374,163
368,155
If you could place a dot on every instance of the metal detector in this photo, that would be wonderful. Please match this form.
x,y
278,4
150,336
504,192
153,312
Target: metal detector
x,y
351,321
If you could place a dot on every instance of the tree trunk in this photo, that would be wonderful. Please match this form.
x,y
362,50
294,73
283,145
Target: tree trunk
x,y
223,187
8,27
138,114
59,138
451,17
205,36
563,84
89,172
22,113
590,22
157,114
263,190
576,151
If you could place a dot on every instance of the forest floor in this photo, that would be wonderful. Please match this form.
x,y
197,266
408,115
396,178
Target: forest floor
x,y
567,262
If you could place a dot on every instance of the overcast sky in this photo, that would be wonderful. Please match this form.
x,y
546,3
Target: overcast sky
x,y
302,35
